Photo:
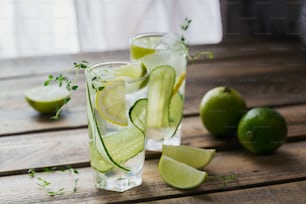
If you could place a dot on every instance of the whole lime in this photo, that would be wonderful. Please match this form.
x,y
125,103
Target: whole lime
x,y
221,109
262,130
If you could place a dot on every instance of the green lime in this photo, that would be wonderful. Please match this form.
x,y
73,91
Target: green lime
x,y
47,99
180,175
221,109
262,130
192,156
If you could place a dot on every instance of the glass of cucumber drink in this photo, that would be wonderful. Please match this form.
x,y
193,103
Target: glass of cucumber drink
x,y
165,56
116,108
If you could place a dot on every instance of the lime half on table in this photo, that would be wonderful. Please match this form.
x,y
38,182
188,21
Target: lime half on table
x,y
47,99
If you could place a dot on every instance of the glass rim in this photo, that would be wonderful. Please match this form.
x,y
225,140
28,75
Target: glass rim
x,y
108,64
152,34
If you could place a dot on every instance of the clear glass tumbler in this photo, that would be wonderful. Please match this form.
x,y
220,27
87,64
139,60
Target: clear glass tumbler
x,y
116,108
165,55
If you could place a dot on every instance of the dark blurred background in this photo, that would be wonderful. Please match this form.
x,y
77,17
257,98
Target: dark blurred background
x,y
277,19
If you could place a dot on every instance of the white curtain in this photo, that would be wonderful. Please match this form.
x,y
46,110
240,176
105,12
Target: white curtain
x,y
44,27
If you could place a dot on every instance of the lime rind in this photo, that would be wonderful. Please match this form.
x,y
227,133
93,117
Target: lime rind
x,y
180,175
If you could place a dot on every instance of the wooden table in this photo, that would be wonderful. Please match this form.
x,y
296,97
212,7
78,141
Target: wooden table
x,y
266,73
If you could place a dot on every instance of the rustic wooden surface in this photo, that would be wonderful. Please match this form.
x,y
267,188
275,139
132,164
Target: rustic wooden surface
x,y
266,73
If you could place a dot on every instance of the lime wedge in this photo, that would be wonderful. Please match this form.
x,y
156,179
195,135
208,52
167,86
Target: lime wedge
x,y
180,175
159,95
192,156
139,52
138,114
47,99
143,46
131,70
110,102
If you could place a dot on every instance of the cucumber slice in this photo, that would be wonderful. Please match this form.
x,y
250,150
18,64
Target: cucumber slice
x,y
138,114
176,111
121,146
161,84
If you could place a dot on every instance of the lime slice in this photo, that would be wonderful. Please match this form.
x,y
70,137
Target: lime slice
x,y
138,114
159,95
180,175
47,99
110,102
192,156
131,70
179,82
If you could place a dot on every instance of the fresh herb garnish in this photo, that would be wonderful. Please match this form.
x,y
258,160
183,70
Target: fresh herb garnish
x,y
63,80
184,28
198,55
46,185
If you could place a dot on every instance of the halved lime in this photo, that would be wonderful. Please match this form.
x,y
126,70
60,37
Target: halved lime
x,y
159,95
180,175
47,99
192,156
110,102
138,114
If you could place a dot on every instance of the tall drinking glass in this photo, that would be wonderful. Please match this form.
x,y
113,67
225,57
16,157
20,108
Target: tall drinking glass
x,y
164,55
116,108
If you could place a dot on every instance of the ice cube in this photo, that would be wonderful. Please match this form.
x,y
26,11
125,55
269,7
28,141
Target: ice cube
x,y
171,41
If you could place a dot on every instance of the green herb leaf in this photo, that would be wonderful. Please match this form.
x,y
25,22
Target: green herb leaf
x,y
31,173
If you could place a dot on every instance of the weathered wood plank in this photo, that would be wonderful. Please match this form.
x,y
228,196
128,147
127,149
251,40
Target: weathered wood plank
x,y
57,148
288,193
230,49
282,82
287,164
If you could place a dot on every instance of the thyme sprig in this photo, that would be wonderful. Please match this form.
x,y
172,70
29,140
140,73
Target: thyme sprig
x,y
184,28
61,80
198,55
46,184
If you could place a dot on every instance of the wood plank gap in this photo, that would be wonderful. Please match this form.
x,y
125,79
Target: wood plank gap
x,y
43,169
44,130
196,193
